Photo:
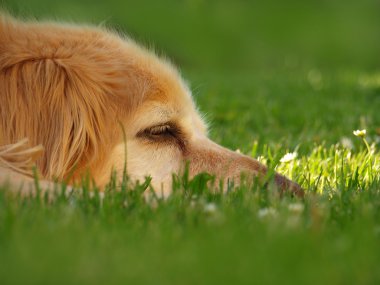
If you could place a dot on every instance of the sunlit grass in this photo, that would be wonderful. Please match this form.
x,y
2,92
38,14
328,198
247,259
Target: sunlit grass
x,y
340,215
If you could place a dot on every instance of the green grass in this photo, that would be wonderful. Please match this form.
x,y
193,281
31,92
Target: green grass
x,y
271,78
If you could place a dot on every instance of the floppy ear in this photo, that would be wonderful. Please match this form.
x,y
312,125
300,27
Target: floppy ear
x,y
54,106
66,89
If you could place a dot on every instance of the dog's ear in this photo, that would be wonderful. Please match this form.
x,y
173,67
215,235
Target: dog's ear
x,y
66,88
55,106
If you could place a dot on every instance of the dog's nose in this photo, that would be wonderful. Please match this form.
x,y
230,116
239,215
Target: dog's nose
x,y
285,184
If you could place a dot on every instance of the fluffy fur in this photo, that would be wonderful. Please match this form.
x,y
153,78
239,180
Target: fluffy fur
x,y
72,90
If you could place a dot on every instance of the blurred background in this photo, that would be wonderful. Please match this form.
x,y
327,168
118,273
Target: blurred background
x,y
232,35
287,71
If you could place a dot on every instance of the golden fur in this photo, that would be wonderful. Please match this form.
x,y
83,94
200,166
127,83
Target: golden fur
x,y
71,90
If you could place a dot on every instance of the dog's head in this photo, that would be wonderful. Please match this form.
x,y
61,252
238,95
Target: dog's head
x,y
97,102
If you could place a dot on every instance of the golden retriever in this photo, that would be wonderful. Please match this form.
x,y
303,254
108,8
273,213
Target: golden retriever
x,y
68,91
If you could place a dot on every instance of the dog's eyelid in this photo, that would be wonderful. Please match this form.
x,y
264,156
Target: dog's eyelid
x,y
155,130
168,128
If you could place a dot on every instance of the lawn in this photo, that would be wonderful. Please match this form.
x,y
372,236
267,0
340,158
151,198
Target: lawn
x,y
271,78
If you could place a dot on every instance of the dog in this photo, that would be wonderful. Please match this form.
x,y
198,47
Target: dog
x,y
77,100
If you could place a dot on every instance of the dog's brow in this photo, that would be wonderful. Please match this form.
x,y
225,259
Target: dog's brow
x,y
163,113
158,115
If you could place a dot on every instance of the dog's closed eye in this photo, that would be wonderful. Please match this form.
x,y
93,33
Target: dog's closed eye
x,y
162,131
168,133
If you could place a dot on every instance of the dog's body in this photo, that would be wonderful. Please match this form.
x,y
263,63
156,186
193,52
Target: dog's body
x,y
74,89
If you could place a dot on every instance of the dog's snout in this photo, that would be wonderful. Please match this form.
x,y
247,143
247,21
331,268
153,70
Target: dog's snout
x,y
226,164
250,165
241,163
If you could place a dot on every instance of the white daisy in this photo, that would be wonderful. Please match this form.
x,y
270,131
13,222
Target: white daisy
x,y
360,133
288,157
